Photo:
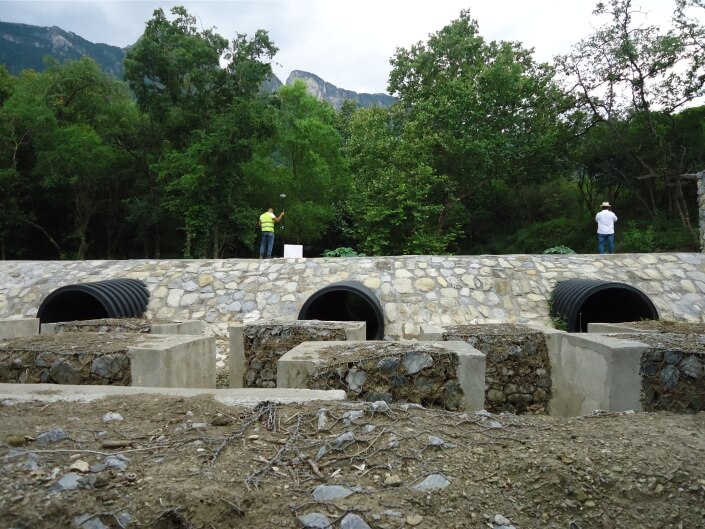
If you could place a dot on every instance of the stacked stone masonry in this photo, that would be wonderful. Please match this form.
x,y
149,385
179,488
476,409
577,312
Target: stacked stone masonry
x,y
518,370
98,360
443,290
109,358
255,349
448,375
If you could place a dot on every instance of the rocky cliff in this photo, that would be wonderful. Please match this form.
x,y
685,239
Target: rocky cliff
x,y
336,96
24,46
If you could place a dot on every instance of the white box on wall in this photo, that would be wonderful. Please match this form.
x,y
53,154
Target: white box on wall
x,y
293,250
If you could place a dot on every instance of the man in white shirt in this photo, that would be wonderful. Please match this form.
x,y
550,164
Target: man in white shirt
x,y
605,228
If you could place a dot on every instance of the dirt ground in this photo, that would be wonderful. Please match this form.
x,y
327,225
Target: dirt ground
x,y
196,463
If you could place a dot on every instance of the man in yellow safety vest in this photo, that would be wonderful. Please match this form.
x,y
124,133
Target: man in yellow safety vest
x,y
266,222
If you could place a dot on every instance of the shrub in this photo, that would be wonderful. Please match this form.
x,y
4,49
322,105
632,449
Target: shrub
x,y
560,249
342,252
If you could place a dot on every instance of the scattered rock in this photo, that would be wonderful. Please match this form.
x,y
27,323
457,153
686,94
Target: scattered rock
x,y
414,519
351,416
51,437
89,521
501,520
314,520
80,466
112,416
322,416
353,521
432,482
331,492
68,481
416,361
379,406
343,440
355,380
392,481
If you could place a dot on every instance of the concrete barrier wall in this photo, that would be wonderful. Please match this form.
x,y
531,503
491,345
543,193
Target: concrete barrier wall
x,y
594,372
19,327
442,290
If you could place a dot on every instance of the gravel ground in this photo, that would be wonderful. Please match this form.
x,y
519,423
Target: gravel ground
x,y
169,462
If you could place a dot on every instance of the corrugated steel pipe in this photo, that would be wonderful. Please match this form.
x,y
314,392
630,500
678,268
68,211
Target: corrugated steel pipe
x,y
583,301
113,298
346,301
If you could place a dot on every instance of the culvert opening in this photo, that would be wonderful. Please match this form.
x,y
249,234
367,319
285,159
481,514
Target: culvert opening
x,y
113,298
346,301
582,301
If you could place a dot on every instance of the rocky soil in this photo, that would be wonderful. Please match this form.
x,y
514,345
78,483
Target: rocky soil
x,y
167,463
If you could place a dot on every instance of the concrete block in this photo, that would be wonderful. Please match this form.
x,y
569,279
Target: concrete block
x,y
256,347
174,362
190,327
430,333
16,393
19,327
595,372
613,328
447,374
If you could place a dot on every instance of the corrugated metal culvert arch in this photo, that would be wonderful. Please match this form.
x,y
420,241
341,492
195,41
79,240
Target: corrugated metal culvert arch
x,y
583,301
113,298
346,301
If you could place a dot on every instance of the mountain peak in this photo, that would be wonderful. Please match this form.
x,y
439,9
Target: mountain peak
x,y
326,91
24,46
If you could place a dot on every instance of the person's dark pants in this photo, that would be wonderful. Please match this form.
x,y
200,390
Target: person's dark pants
x,y
265,247
603,238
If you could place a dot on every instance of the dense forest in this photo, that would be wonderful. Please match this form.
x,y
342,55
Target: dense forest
x,y
485,151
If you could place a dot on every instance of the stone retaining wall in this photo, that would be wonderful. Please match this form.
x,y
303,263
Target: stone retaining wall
x,y
443,290
255,349
673,380
59,361
448,375
517,372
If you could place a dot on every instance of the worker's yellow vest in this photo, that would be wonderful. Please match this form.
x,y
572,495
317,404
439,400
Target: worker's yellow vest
x,y
266,221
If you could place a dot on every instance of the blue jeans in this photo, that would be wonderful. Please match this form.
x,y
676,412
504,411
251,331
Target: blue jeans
x,y
601,239
266,244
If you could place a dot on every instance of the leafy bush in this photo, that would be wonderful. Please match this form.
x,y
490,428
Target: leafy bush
x,y
638,240
560,249
343,251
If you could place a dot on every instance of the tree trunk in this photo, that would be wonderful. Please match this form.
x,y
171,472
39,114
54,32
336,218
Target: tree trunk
x,y
46,234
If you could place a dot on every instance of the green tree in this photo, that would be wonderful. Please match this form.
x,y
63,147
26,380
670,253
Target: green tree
x,y
78,162
393,206
191,157
59,154
629,79
485,112
303,161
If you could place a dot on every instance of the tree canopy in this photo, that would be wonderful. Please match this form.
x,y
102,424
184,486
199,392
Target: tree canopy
x,y
486,150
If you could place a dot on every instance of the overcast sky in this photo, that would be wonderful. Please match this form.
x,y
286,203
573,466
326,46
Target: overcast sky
x,y
348,44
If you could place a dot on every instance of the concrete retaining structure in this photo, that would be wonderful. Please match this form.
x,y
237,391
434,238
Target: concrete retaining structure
x,y
256,348
612,328
442,290
15,393
174,362
446,374
594,372
139,360
18,328
189,328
